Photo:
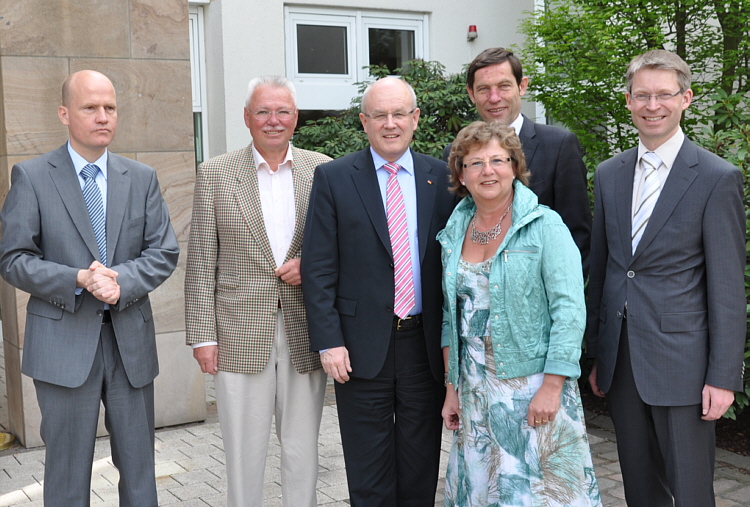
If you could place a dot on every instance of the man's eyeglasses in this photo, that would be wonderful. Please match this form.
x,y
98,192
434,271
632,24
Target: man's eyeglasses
x,y
282,114
660,97
495,163
383,117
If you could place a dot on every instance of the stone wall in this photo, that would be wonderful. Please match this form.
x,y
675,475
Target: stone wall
x,y
143,47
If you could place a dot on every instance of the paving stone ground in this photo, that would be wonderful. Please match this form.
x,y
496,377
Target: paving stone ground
x,y
190,465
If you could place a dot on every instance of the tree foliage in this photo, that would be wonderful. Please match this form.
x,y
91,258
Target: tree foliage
x,y
444,104
576,53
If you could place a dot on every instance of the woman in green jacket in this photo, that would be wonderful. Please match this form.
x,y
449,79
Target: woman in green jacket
x,y
513,322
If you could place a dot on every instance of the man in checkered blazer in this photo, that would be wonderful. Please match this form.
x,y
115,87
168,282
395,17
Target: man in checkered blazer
x,y
243,300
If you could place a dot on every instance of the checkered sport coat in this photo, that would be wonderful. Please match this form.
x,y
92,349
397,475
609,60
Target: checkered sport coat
x,y
231,292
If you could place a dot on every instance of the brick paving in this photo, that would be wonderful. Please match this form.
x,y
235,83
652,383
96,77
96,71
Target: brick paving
x,y
190,465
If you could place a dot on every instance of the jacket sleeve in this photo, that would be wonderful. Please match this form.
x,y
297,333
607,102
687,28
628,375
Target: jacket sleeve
x,y
571,195
202,261
320,266
139,276
22,261
725,255
599,255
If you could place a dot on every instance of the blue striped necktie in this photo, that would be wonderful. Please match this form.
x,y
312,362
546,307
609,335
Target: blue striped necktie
x,y
93,197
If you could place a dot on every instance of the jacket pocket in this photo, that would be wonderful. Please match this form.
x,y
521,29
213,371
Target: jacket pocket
x,y
346,307
227,282
42,309
684,322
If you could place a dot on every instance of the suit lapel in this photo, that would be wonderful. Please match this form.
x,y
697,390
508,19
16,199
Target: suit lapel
x,y
681,176
366,182
528,142
426,191
623,189
302,187
66,181
248,201
118,193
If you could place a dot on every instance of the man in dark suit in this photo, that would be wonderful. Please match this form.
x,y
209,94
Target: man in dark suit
x,y
86,233
666,293
371,285
496,83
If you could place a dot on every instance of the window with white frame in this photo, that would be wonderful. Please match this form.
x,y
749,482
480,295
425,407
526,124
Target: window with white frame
x,y
327,50
198,76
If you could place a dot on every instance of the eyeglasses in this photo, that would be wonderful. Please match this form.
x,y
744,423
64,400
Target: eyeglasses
x,y
383,117
660,97
495,163
281,114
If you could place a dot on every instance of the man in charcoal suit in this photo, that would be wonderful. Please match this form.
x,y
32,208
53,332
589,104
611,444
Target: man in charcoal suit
x,y
667,312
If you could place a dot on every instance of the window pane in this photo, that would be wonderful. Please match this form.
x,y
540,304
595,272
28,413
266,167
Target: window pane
x,y
198,138
391,48
322,49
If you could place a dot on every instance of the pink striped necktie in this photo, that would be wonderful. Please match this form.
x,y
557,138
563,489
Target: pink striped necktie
x,y
399,233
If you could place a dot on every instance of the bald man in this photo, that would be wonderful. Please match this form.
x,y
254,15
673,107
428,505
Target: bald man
x,y
87,234
382,350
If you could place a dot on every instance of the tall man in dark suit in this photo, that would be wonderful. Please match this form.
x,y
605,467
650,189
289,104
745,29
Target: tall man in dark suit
x,y
496,83
86,233
666,293
371,285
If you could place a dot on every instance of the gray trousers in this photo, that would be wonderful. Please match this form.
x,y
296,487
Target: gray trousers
x,y
69,422
666,453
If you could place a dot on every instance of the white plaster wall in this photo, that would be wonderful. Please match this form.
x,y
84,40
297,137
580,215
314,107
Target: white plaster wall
x,y
245,38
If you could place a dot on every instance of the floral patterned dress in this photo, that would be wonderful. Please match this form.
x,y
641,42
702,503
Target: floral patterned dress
x,y
497,459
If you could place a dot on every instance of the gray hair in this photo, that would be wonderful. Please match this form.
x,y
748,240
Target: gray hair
x,y
275,81
660,59
369,87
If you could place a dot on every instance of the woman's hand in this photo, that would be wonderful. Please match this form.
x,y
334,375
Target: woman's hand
x,y
546,402
451,410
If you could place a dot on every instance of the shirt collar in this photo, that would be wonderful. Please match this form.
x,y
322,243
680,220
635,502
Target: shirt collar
x,y
517,124
668,151
405,161
79,162
260,162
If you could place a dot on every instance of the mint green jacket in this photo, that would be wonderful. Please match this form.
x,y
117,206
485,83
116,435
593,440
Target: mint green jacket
x,y
537,307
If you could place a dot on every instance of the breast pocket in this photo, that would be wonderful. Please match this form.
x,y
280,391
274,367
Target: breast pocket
x,y
523,283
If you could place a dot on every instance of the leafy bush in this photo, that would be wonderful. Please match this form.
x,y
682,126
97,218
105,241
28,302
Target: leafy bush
x,y
442,99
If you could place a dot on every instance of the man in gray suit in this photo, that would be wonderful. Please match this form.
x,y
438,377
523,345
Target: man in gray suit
x,y
666,293
86,233
495,83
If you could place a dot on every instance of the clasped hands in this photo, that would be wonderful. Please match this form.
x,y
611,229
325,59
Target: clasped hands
x,y
100,281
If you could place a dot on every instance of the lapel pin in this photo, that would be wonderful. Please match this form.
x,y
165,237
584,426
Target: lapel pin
x,y
429,182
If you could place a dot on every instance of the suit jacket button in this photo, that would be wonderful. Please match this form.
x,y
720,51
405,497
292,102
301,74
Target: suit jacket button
x,y
631,274
619,315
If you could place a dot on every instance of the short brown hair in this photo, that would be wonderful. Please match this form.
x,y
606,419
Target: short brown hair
x,y
478,135
493,56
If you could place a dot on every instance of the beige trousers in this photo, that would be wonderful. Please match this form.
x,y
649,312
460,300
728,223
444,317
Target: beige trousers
x,y
247,404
